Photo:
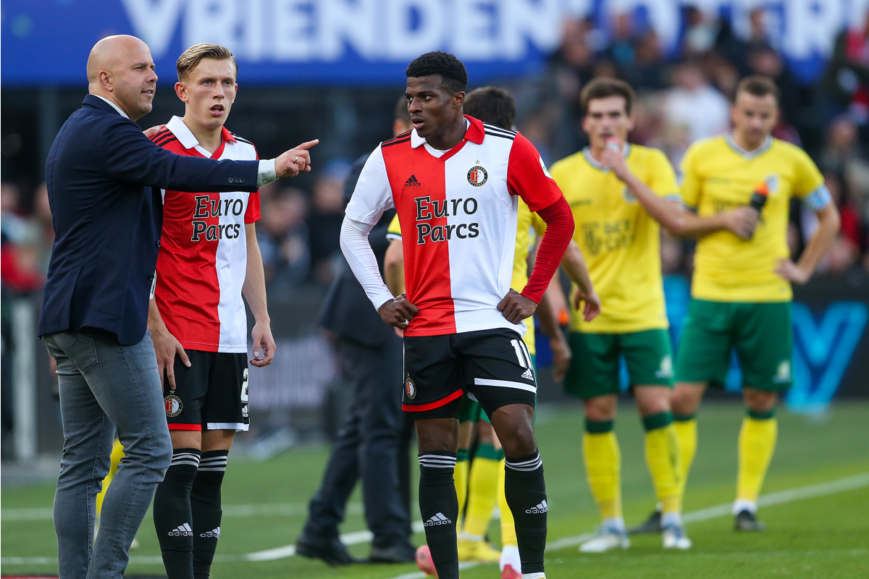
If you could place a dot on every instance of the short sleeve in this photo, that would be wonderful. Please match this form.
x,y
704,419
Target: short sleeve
x,y
809,183
372,195
662,179
394,229
690,187
528,177
252,213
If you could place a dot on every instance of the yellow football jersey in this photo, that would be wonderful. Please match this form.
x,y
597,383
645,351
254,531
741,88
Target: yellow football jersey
x,y
717,176
620,241
524,241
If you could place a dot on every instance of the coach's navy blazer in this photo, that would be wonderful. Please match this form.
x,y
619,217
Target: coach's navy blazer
x,y
104,179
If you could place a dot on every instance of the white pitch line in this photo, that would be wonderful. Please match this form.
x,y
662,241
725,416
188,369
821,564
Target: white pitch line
x,y
253,510
777,498
358,537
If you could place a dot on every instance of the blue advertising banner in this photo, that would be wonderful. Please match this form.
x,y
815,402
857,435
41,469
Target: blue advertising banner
x,y
46,42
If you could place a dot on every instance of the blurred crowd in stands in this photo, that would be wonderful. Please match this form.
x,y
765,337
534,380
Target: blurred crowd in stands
x,y
682,97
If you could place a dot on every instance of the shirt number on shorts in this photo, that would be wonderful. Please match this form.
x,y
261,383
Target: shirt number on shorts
x,y
522,354
244,387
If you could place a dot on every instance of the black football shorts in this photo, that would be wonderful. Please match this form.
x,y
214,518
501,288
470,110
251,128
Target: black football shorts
x,y
210,395
492,366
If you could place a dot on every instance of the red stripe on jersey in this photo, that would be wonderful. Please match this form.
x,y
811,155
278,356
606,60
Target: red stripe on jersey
x,y
430,405
418,186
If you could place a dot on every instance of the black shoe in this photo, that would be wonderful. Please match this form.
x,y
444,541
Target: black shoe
x,y
332,551
746,521
397,553
650,526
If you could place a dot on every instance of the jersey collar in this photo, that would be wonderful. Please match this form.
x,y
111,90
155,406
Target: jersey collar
x,y
586,152
474,133
748,155
188,140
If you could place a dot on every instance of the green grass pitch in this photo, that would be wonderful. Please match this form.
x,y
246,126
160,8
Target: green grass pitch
x,y
818,526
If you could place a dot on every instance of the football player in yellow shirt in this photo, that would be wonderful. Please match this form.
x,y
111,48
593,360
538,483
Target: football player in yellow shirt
x,y
741,289
482,481
621,195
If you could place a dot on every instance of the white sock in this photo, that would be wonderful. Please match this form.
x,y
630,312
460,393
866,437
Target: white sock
x,y
740,505
533,576
510,556
671,519
617,523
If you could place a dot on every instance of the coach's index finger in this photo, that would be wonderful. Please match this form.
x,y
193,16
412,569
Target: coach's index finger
x,y
308,145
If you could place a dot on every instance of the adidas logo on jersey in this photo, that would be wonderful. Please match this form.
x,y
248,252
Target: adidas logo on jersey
x,y
412,182
215,534
539,509
182,531
528,374
438,519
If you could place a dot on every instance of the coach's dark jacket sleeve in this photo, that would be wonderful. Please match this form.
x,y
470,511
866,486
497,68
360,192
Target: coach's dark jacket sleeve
x,y
104,179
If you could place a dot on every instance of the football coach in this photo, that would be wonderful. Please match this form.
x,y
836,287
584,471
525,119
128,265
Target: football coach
x,y
104,178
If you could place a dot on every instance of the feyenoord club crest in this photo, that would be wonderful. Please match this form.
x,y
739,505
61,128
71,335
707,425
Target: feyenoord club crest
x,y
173,405
477,176
410,389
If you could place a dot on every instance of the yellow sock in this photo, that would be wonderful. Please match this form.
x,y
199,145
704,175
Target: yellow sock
x,y
756,446
461,477
482,490
685,427
662,458
603,467
117,455
508,524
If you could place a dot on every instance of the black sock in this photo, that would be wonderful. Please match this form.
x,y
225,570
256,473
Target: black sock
x,y
439,508
205,500
526,494
173,519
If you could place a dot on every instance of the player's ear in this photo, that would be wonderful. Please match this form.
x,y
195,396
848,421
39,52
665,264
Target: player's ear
x,y
181,91
459,99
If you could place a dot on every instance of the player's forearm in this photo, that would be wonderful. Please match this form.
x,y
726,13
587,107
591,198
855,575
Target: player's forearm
x,y
393,267
155,321
662,210
360,257
695,226
547,314
574,265
820,242
559,231
254,288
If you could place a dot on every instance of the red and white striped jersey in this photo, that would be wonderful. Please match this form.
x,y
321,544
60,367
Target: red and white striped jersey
x,y
458,213
203,254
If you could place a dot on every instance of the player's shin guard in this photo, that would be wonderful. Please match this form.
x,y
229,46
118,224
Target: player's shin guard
x,y
603,462
685,427
205,500
756,446
662,458
439,508
173,519
525,490
482,491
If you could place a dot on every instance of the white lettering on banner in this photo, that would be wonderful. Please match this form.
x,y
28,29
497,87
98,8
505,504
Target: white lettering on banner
x,y
476,30
154,22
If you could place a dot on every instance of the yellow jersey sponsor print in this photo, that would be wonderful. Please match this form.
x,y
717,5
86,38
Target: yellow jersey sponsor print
x,y
525,240
718,176
620,241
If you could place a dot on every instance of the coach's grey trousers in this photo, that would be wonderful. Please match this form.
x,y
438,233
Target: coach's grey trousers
x,y
103,386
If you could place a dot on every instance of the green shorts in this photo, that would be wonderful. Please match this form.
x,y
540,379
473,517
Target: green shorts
x,y
761,333
471,411
594,369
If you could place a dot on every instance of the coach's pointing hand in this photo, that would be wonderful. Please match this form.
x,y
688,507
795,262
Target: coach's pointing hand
x,y
516,307
295,161
398,312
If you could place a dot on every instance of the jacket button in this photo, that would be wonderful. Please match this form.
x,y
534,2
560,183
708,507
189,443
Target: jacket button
x,y
151,277
158,244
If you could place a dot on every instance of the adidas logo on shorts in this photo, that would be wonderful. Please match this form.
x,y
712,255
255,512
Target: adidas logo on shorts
x,y
182,531
528,375
539,509
214,534
438,519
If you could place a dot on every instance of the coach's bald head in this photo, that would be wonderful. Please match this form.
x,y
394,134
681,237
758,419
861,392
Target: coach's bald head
x,y
120,69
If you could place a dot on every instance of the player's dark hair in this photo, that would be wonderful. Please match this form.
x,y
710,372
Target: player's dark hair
x,y
401,112
191,58
491,105
601,88
757,85
450,69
